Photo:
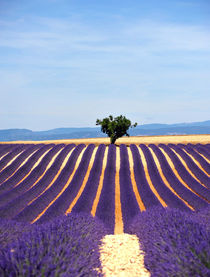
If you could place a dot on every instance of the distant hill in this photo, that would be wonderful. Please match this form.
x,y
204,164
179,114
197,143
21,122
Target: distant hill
x,y
94,132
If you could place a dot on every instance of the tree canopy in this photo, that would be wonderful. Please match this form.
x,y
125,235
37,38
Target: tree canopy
x,y
115,127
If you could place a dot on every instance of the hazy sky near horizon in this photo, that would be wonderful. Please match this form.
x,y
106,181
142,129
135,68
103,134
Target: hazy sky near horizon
x,y
65,63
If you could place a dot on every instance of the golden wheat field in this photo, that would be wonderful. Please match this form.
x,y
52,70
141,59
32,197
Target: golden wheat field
x,y
129,140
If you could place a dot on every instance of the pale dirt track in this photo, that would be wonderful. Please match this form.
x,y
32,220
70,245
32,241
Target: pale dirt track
x,y
121,256
203,139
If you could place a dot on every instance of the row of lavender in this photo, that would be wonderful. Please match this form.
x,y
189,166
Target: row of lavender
x,y
21,200
175,243
67,246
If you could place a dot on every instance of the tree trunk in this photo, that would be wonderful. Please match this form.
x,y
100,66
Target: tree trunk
x,y
113,139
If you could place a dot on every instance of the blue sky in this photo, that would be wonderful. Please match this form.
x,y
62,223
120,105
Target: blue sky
x,y
65,63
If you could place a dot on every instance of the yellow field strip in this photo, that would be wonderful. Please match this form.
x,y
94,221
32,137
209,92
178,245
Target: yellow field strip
x,y
196,162
205,158
133,181
98,193
165,180
3,156
39,160
56,176
187,168
20,165
12,160
48,166
129,140
84,181
118,229
175,171
144,162
65,187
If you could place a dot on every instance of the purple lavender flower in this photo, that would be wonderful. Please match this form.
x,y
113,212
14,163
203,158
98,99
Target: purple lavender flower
x,y
175,243
67,246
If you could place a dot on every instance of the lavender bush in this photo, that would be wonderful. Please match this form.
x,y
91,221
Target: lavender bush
x,y
20,202
61,205
193,199
199,158
6,148
67,246
106,205
202,149
23,170
10,230
36,207
7,197
15,151
186,176
128,200
148,197
203,217
204,179
175,243
10,169
85,202
165,193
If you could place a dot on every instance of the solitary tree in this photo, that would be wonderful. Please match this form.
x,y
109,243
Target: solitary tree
x,y
115,127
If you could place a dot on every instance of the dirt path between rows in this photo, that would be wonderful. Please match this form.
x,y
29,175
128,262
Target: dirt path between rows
x,y
121,256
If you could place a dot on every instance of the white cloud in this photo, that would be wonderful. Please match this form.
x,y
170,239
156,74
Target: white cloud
x,y
62,34
170,36
64,67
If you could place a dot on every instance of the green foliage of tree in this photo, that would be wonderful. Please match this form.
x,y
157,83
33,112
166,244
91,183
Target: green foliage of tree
x,y
115,127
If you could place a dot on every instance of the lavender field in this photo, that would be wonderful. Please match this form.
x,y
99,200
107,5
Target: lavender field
x,y
137,189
